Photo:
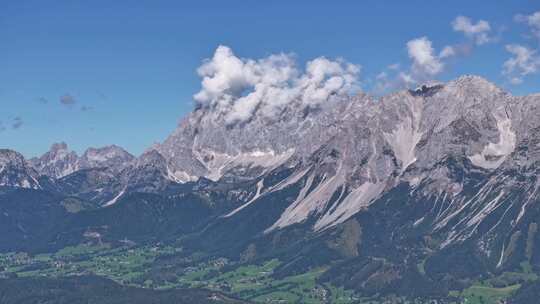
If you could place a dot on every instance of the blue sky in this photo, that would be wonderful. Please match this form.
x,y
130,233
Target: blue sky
x,y
93,73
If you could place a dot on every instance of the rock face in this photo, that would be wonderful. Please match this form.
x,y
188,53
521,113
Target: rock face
x,y
16,172
57,162
149,173
97,175
357,148
112,157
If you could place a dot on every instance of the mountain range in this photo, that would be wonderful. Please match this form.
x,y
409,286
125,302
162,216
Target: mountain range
x,y
444,176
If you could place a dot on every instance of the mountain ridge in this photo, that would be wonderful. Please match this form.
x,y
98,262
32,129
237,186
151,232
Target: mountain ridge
x,y
368,146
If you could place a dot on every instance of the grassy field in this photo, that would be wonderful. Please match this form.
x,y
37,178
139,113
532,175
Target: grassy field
x,y
130,266
119,264
495,289
255,283
478,294
136,266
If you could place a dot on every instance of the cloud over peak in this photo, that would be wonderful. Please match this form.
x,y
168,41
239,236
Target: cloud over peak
x,y
424,60
237,87
426,64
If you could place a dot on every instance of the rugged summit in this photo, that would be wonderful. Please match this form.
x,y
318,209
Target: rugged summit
x,y
59,161
356,148
112,157
349,151
16,172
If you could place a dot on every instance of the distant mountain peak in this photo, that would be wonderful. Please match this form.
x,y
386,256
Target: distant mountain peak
x,y
105,156
16,172
59,161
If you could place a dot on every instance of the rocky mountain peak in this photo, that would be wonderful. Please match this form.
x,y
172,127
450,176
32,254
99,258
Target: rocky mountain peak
x,y
113,157
58,162
376,140
58,147
203,142
10,157
475,82
106,154
151,158
15,171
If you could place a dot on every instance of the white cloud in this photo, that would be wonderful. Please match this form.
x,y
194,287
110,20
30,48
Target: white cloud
x,y
406,78
478,32
532,20
447,51
237,88
224,73
425,62
525,61
324,77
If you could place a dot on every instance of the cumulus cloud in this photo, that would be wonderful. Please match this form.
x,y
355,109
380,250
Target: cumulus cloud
x,y
478,32
17,123
425,62
237,87
533,21
67,100
524,61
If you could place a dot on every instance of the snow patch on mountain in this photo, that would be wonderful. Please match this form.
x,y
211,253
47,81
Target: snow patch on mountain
x,y
219,163
115,199
494,154
403,142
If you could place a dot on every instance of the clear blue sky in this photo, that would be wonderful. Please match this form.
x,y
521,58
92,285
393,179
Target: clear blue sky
x,y
93,73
